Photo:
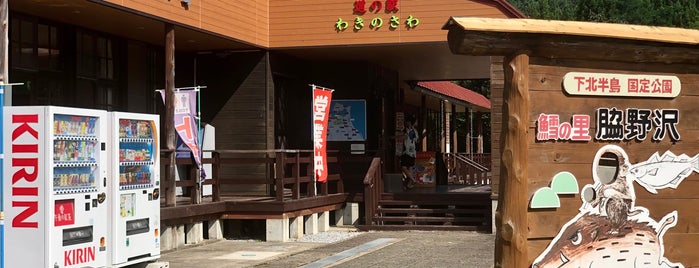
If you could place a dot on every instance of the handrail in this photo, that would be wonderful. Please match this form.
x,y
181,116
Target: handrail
x,y
471,162
373,187
286,168
470,171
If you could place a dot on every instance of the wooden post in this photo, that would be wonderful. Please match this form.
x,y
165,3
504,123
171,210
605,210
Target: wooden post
x,y
216,186
195,193
279,176
479,131
422,126
442,129
454,131
511,215
170,138
447,127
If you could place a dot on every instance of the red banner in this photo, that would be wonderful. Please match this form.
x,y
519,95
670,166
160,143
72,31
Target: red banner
x,y
321,109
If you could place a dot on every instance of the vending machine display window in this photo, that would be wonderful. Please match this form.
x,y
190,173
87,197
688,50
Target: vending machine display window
x,y
136,143
75,153
135,213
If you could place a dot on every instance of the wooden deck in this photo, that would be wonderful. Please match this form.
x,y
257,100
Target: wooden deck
x,y
443,205
249,207
290,171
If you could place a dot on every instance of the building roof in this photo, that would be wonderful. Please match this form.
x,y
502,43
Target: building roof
x,y
578,28
572,40
457,94
510,9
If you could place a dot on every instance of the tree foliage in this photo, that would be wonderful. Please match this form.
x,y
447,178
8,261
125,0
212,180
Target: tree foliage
x,y
671,13
464,121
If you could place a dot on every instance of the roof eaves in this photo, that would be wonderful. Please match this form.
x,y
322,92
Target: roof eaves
x,y
511,9
432,92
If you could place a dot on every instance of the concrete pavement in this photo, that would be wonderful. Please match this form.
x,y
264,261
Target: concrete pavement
x,y
392,249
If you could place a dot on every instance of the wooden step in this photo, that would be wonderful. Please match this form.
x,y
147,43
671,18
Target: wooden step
x,y
434,210
433,202
422,228
451,219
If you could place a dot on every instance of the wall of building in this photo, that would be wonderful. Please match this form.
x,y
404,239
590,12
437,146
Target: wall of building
x,y
247,21
497,85
237,103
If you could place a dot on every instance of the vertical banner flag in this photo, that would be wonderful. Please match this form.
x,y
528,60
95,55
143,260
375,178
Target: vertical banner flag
x,y
185,124
321,109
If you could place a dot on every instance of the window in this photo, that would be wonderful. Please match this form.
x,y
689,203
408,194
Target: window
x,y
36,61
97,79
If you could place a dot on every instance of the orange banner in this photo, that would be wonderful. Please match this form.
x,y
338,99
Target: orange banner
x,y
321,109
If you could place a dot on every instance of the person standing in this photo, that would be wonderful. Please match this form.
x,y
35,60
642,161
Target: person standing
x,y
407,159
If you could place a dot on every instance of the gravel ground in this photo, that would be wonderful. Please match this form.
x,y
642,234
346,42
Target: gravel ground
x,y
331,236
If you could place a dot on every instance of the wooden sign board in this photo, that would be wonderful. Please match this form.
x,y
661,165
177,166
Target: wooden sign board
x,y
631,151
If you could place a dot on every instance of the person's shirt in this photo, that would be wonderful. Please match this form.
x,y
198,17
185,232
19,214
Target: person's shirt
x,y
410,141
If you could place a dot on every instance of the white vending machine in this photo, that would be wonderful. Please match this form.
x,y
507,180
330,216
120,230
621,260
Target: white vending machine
x,y
56,186
135,208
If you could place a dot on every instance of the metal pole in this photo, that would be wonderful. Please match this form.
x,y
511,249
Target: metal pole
x,y
313,130
4,44
2,197
199,138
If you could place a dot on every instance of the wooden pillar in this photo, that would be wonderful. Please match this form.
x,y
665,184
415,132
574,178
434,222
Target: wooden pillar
x,y
422,125
455,133
442,129
170,138
479,132
511,215
447,126
469,127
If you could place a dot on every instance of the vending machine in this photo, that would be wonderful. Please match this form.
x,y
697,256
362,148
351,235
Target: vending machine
x,y
56,186
135,208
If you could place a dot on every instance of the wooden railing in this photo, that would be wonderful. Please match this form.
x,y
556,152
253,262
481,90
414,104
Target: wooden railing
x,y
373,187
288,174
468,169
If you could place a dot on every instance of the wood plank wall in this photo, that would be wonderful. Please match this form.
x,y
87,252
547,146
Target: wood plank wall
x,y
548,158
304,23
246,20
497,86
246,122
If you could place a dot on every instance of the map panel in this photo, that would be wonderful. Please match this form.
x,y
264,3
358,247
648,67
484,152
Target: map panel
x,y
347,120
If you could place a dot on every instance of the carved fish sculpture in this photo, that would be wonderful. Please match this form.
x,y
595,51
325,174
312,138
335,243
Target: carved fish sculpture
x,y
586,241
663,171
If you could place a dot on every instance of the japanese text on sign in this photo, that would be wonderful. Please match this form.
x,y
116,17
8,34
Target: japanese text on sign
x,y
549,127
321,108
611,125
615,85
375,23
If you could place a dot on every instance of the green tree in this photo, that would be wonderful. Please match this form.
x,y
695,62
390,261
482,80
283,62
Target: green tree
x,y
671,13
464,120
